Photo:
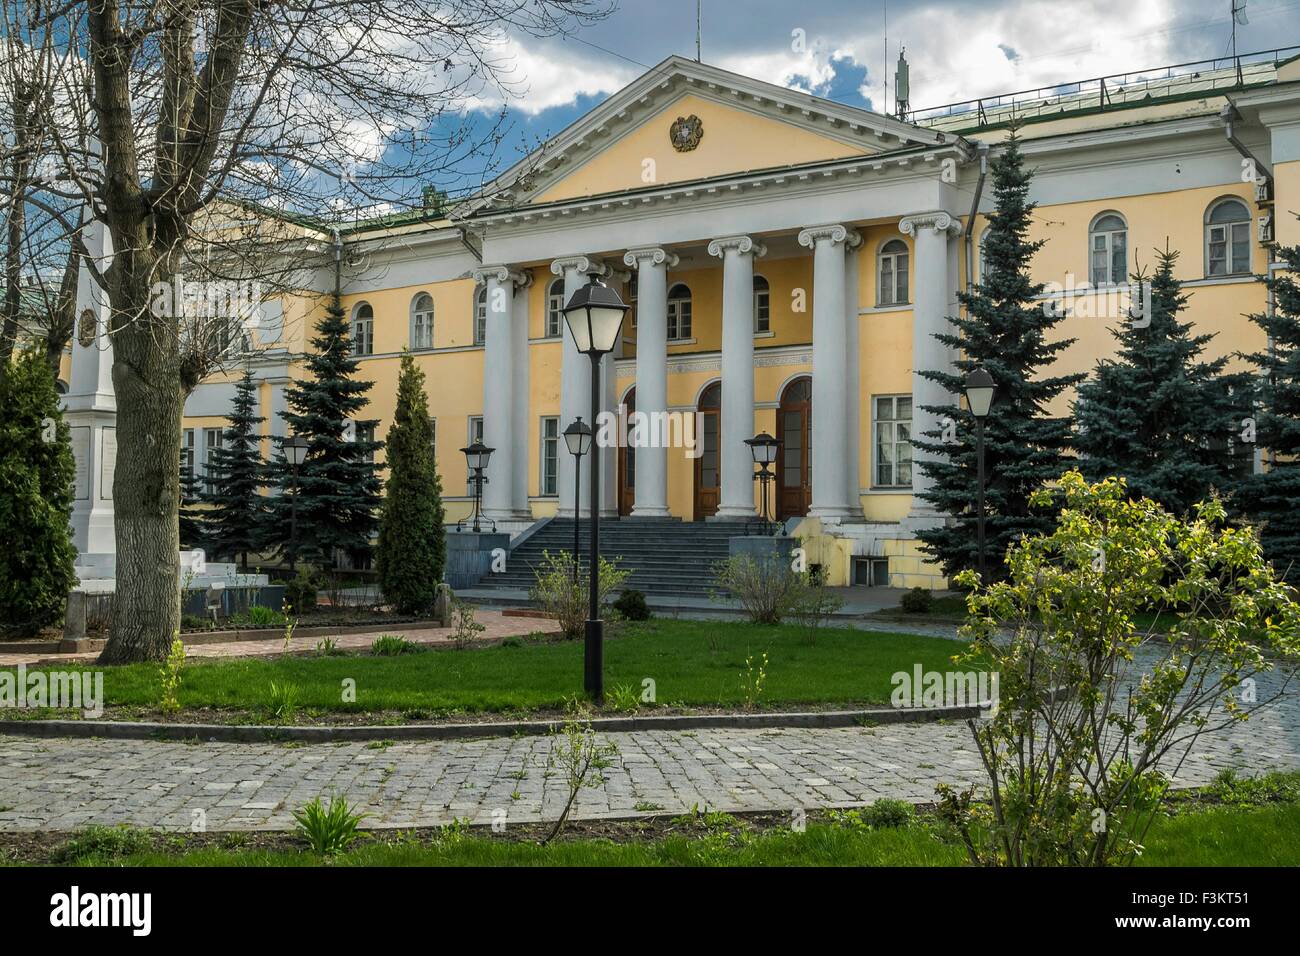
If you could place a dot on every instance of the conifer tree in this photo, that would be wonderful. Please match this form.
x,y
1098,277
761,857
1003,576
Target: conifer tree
x,y
235,523
412,548
338,485
36,492
1272,498
1005,331
1157,415
190,515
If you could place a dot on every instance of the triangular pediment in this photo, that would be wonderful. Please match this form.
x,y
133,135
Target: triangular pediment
x,y
684,121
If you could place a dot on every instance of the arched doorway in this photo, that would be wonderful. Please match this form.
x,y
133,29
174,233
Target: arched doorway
x,y
794,464
708,466
627,464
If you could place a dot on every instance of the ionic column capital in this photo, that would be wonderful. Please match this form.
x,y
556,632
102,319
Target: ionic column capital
x,y
583,264
502,273
654,255
745,245
831,232
939,221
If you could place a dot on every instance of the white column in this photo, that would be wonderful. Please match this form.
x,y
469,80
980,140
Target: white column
x,y
930,280
652,265
852,378
609,401
734,456
499,384
575,382
520,356
830,371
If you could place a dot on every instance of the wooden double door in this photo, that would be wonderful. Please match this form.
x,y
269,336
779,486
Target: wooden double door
x,y
794,459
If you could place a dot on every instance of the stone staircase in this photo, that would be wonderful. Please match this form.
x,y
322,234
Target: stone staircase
x,y
665,556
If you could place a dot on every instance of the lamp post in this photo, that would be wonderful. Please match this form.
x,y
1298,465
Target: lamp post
x,y
594,316
763,448
476,456
578,437
979,397
295,452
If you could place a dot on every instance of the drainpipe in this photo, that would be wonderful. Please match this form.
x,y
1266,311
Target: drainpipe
x,y
974,209
338,263
1271,308
1230,116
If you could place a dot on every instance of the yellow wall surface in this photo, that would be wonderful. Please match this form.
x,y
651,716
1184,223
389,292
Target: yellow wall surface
x,y
734,140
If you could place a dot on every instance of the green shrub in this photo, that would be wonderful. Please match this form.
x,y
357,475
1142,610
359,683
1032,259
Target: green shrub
x,y
887,813
566,600
258,616
300,592
391,645
283,702
328,829
98,844
631,604
768,589
36,488
917,601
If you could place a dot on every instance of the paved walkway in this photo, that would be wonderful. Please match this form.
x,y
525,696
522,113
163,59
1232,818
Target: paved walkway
x,y
497,626
62,784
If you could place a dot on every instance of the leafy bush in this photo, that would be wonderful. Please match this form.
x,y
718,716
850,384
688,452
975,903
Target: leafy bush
x,y
631,605
566,600
1075,747
768,590
813,605
300,592
580,757
258,616
391,645
887,813
917,601
36,488
328,829
465,630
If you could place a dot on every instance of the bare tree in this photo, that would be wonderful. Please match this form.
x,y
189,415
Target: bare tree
x,y
223,139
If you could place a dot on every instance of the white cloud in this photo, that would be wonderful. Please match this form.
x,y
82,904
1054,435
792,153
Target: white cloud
x,y
550,75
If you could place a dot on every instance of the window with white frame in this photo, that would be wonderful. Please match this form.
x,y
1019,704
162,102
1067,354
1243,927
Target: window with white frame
x,y
212,441
1108,250
554,309
480,316
363,330
984,236
475,434
422,322
550,457
632,289
679,312
187,452
892,434
762,305
1227,238
893,266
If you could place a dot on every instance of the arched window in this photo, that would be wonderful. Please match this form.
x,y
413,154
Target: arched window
x,y
892,288
555,309
422,321
1227,238
363,329
983,253
1108,242
480,316
762,305
679,312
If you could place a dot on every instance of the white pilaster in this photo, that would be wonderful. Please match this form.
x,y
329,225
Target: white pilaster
x,y
931,277
734,457
500,382
830,371
575,380
652,265
90,407
852,378
520,356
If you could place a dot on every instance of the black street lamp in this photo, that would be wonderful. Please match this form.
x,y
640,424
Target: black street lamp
x,y
595,317
295,453
979,397
476,456
763,447
578,437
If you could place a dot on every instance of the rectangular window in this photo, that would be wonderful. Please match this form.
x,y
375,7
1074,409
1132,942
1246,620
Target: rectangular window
x,y
892,436
475,434
1229,251
212,438
549,484
363,337
187,452
422,331
679,319
762,311
480,319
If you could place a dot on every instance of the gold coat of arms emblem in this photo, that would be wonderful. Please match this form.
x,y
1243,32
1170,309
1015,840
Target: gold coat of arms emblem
x,y
686,133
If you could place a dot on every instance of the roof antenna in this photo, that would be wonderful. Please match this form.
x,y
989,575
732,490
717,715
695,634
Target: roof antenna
x,y
698,4
901,84
884,61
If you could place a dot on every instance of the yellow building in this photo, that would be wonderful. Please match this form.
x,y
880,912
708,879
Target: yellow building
x,y
789,259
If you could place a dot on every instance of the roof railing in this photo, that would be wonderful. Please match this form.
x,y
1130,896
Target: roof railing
x,y
1106,92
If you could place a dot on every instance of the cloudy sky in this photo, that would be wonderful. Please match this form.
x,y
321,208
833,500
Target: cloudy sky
x,y
958,49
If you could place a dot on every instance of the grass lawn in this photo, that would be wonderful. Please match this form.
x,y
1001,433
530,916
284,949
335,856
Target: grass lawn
x,y
693,663
1219,836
